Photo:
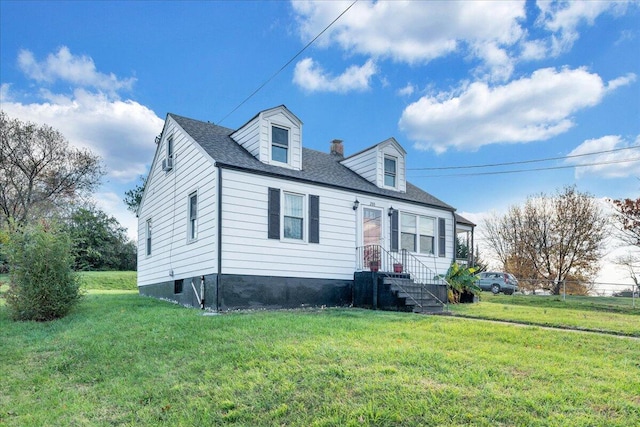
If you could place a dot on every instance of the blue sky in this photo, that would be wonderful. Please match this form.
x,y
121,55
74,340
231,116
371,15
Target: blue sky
x,y
456,83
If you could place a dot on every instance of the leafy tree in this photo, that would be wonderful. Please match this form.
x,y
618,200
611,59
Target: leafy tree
x,y
39,171
100,242
133,197
550,238
42,284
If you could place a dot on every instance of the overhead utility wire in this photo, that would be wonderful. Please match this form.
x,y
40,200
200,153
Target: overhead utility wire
x,y
529,170
287,64
522,161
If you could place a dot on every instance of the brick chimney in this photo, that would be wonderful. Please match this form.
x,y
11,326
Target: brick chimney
x,y
337,149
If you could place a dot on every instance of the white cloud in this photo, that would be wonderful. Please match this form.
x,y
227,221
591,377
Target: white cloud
x,y
498,65
621,81
121,132
77,70
489,32
311,77
92,115
562,19
533,50
618,164
530,109
417,32
408,90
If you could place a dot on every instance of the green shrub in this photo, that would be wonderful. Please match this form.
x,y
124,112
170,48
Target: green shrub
x,y
42,284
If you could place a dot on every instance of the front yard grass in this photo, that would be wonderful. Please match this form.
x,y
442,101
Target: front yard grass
x,y
122,359
606,314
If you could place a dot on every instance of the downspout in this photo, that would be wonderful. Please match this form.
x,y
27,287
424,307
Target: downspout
x,y
455,238
219,238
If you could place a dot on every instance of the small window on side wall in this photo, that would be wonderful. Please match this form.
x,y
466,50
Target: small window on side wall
x,y
148,237
193,217
170,147
279,144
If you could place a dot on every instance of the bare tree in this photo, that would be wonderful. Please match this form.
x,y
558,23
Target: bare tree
x,y
551,238
39,171
627,220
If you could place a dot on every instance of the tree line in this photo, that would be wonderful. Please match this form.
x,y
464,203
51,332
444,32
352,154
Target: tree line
x,y
556,242
45,180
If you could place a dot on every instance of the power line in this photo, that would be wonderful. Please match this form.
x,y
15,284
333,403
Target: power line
x,y
525,161
287,64
528,170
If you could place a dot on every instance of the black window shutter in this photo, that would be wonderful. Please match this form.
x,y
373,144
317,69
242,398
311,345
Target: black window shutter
x,y
442,241
314,219
274,213
394,230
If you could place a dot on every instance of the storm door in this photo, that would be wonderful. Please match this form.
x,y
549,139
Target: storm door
x,y
371,237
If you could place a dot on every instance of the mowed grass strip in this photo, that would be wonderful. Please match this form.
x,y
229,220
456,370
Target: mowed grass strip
x,y
105,280
613,315
122,359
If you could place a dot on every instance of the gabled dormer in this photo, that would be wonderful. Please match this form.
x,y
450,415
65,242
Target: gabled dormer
x,y
383,164
274,137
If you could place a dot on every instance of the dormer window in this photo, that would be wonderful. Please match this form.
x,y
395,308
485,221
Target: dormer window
x,y
279,144
390,168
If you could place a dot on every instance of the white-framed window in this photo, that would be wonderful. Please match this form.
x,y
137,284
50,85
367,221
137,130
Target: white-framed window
x,y
148,237
279,144
417,233
192,226
390,171
170,147
427,235
408,232
293,216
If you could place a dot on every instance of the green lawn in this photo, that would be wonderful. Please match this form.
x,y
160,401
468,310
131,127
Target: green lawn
x,y
122,359
113,280
607,314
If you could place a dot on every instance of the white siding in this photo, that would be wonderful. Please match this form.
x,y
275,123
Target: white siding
x,y
280,118
247,250
165,203
249,137
391,149
255,136
364,164
369,164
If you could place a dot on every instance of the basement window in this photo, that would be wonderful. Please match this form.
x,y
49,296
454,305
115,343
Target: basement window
x,y
177,286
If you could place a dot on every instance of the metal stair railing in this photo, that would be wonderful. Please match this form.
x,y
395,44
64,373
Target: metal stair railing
x,y
377,259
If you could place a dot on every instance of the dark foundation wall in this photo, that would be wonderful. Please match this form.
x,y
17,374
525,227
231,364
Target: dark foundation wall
x,y
183,293
234,292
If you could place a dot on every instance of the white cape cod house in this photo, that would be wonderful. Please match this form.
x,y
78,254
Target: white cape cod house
x,y
250,218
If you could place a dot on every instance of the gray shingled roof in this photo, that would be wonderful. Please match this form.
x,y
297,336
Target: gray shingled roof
x,y
317,167
462,220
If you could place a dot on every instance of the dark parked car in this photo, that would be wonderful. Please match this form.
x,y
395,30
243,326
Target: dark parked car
x,y
497,282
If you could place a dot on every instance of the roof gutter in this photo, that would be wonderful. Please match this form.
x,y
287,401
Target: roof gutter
x,y
221,165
